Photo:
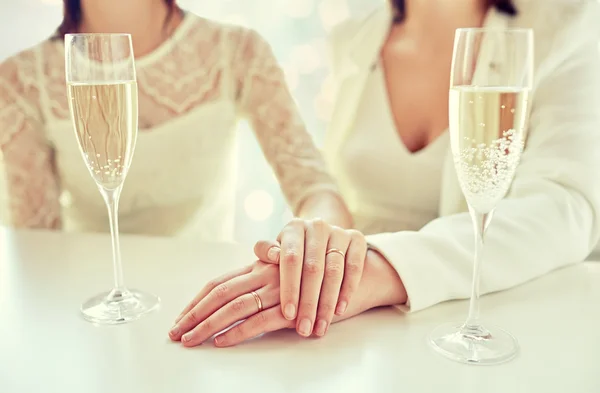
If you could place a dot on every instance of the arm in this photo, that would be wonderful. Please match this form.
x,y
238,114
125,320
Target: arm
x,y
550,217
265,99
328,206
32,186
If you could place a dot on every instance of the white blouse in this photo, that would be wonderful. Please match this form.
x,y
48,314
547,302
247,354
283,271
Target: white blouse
x,y
388,188
192,90
550,217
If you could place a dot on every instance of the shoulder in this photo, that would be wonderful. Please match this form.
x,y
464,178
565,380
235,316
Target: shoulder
x,y
19,73
19,66
356,31
353,26
246,41
340,37
348,28
21,78
567,64
30,61
231,36
558,15
561,29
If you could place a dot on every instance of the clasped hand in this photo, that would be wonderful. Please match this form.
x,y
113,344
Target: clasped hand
x,y
310,277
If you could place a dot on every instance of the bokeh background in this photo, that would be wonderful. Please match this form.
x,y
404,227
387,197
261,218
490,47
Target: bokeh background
x,y
297,31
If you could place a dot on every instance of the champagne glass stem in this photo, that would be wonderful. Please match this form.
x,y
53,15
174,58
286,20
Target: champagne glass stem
x,y
481,222
111,197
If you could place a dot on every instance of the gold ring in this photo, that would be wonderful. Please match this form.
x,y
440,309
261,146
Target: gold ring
x,y
258,301
335,251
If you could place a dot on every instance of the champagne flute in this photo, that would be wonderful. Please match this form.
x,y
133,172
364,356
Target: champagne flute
x,y
102,93
491,81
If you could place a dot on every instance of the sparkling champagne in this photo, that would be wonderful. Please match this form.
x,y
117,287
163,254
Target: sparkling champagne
x,y
488,131
105,119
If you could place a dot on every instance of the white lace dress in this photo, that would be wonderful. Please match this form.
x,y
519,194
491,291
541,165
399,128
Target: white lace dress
x,y
192,91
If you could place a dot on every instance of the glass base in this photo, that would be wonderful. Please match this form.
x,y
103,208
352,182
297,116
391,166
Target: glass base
x,y
118,306
474,345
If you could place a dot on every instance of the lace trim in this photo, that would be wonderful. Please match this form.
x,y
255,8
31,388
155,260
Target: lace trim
x,y
209,62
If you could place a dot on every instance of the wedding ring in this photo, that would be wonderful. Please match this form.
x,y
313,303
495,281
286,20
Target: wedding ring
x,y
335,251
258,301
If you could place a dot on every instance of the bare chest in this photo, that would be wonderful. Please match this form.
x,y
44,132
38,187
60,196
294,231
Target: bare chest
x,y
417,92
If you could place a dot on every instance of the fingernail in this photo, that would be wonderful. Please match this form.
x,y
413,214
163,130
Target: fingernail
x,y
321,328
305,327
174,331
289,312
341,308
186,337
273,254
219,340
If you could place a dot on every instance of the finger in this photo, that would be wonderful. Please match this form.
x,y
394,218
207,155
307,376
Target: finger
x,y
355,262
266,321
332,279
210,286
238,309
215,299
315,245
267,251
290,265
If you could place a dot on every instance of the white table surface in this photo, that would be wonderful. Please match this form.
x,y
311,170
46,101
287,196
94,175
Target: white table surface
x,y
45,346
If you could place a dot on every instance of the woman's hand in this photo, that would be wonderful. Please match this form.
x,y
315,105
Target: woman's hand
x,y
251,293
321,267
230,299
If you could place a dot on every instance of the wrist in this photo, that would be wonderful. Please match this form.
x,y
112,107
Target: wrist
x,y
382,281
328,206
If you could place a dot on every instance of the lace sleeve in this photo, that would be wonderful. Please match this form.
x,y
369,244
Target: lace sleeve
x,y
32,186
264,98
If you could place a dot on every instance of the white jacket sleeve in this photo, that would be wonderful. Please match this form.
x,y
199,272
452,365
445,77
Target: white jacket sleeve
x,y
550,217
